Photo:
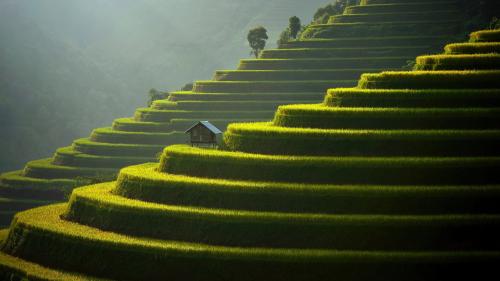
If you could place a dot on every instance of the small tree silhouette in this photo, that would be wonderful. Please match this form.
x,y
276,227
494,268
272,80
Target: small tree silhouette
x,y
257,39
294,26
155,95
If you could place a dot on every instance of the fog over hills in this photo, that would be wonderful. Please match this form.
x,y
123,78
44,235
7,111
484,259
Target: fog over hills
x,y
67,66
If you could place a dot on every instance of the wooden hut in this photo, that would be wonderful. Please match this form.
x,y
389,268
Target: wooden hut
x,y
204,133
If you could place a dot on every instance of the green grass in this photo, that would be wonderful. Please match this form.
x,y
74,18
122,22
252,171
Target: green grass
x,y
353,52
320,116
131,125
458,62
108,135
234,97
423,98
473,48
180,125
67,156
247,105
116,149
185,160
96,206
414,6
155,115
289,75
478,79
112,255
16,185
267,86
45,169
387,62
145,183
282,217
368,41
268,139
485,36
345,30
401,16
18,180
375,2
12,268
16,204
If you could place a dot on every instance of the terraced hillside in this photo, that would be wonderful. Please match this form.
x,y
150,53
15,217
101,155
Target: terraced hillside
x,y
377,35
395,179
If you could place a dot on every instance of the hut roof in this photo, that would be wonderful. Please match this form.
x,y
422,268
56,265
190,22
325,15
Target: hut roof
x,y
207,125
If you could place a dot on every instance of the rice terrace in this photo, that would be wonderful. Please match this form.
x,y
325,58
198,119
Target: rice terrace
x,y
353,140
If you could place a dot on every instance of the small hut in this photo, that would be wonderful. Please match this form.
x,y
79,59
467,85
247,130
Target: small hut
x,y
204,133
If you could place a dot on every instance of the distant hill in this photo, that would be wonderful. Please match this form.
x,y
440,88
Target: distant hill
x,y
69,66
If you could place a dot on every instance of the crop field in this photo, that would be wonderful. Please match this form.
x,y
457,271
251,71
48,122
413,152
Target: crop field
x,y
408,98
390,177
481,79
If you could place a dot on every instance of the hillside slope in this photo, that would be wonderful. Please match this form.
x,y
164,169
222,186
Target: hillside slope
x,y
375,37
396,176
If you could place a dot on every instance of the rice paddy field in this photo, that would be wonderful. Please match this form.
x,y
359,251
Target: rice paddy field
x,y
392,176
367,38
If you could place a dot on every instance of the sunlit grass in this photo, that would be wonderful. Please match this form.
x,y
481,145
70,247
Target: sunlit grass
x,y
458,62
421,98
473,48
145,183
268,139
321,116
108,135
485,36
155,115
31,271
186,160
44,168
254,105
96,206
269,86
431,79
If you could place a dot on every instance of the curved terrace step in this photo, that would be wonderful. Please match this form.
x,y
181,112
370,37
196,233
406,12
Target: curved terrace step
x,y
480,79
371,41
266,138
419,98
320,116
246,105
145,183
473,48
175,125
185,160
458,62
155,115
346,30
67,156
410,6
18,186
297,53
268,86
97,207
342,64
45,169
176,259
397,16
237,97
108,135
485,36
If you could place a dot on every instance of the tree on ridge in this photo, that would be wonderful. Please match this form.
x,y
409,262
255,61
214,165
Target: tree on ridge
x,y
257,39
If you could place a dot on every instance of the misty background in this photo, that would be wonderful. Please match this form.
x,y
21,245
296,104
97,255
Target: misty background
x,y
68,66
